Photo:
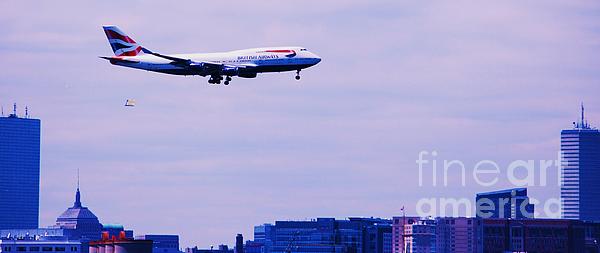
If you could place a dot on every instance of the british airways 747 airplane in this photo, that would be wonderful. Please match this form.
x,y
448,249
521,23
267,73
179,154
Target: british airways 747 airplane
x,y
246,63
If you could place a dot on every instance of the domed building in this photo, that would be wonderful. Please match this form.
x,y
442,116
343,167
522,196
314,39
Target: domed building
x,y
80,221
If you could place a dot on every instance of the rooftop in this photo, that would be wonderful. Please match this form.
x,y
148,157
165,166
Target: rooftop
x,y
14,114
76,213
502,191
36,242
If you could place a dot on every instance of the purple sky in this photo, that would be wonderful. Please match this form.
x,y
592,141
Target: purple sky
x,y
472,81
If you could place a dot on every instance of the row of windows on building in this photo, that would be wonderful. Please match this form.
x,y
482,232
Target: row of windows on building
x,y
38,249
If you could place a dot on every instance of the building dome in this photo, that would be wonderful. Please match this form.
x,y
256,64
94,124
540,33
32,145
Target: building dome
x,y
80,219
76,213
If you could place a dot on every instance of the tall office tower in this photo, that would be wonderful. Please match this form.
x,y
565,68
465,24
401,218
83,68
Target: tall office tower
x,y
19,171
580,167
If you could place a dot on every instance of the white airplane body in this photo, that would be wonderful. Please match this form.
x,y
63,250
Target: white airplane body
x,y
246,63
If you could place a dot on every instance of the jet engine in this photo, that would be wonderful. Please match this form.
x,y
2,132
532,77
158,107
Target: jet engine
x,y
230,71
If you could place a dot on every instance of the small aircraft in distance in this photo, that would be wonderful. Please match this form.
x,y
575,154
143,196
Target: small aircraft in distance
x,y
130,102
246,63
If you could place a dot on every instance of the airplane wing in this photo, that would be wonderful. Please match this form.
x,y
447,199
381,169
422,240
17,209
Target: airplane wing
x,y
176,60
204,68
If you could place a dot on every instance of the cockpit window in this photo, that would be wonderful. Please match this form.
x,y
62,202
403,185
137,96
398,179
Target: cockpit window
x,y
303,49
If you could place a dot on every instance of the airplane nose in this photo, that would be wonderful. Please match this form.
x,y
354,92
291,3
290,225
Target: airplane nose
x,y
316,58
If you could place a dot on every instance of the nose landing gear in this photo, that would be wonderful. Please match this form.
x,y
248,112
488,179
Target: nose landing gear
x,y
297,74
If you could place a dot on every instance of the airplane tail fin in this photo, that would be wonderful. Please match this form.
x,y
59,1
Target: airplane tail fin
x,y
121,44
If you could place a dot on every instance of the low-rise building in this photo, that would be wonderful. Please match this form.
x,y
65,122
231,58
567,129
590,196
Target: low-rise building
x,y
459,234
162,243
533,235
120,244
35,245
353,235
420,236
398,223
504,204
221,249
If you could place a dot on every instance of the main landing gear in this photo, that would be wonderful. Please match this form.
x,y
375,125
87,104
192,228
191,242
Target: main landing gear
x,y
297,74
217,80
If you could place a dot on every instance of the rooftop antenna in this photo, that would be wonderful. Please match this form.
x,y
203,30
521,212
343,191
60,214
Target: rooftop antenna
x,y
582,116
2,110
26,112
77,194
15,109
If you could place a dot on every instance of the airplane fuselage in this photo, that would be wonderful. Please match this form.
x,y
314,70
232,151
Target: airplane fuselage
x,y
252,61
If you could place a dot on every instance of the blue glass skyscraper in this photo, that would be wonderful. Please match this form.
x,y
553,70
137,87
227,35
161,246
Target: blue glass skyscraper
x,y
580,184
19,172
509,203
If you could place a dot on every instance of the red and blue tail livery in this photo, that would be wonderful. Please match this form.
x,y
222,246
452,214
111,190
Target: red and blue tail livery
x,y
121,44
245,63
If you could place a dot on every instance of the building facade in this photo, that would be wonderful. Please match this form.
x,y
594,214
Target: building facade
x,y
354,235
398,235
580,167
264,236
19,172
533,236
162,243
459,234
221,249
254,247
35,245
420,236
320,235
378,238
510,203
119,244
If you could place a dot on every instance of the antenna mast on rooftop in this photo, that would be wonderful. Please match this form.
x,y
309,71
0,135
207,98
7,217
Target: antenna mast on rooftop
x,y
582,123
583,116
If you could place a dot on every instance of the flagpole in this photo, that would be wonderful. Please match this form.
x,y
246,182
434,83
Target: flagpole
x,y
403,224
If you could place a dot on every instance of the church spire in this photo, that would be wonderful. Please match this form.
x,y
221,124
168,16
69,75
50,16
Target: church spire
x,y
77,203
